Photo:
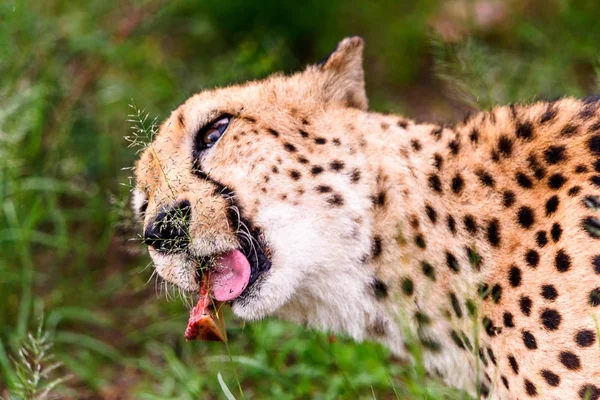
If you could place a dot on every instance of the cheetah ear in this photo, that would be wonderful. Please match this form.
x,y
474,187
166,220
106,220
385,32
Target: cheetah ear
x,y
342,74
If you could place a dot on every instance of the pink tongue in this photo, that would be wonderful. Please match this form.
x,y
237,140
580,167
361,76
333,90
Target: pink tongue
x,y
230,276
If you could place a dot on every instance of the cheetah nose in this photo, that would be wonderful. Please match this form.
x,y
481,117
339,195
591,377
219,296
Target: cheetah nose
x,y
169,232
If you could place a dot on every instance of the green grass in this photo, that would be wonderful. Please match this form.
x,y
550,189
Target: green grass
x,y
68,243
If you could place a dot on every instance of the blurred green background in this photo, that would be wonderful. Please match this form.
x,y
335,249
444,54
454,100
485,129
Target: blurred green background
x,y
68,250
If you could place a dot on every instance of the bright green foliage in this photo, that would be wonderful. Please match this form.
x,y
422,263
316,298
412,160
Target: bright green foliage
x,y
68,246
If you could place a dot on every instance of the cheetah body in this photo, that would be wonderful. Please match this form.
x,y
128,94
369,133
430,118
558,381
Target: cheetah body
x,y
481,240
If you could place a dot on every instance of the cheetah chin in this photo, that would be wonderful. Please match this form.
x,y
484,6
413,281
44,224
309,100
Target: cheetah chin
x,y
479,242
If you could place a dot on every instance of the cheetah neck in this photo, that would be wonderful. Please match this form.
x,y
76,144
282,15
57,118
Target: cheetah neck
x,y
427,253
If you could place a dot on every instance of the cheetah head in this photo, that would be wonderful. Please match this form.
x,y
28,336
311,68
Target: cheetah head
x,y
266,185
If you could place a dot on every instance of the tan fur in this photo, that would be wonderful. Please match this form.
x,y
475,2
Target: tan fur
x,y
384,262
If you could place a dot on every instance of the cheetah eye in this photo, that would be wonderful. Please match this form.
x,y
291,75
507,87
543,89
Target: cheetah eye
x,y
211,134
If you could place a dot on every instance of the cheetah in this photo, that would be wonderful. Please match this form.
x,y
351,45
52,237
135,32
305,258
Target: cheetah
x,y
286,197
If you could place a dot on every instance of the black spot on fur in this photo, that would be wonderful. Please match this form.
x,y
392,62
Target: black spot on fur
x,y
556,232
505,381
493,232
451,224
428,270
569,130
585,337
437,133
532,258
376,247
379,288
320,140
435,183
550,319
482,357
496,293
508,320
420,241
336,200
523,180
336,165
474,258
489,327
505,146
454,146
594,145
289,147
355,176
549,114
541,238
452,263
555,154
456,339
529,340
524,130
474,136
549,292
551,205
514,276
530,388
596,264
570,360
303,133
408,287
456,305
556,181
316,170
491,355
594,298
470,224
380,199
422,319
562,261
550,377
457,184
525,304
485,178
302,160
415,144
323,189
525,217
295,175
508,198
438,161
273,132
513,364
538,171
430,344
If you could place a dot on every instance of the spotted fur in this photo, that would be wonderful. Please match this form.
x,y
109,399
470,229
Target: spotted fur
x,y
481,240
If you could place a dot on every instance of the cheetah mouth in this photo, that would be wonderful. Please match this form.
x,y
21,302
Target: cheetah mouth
x,y
229,278
231,274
